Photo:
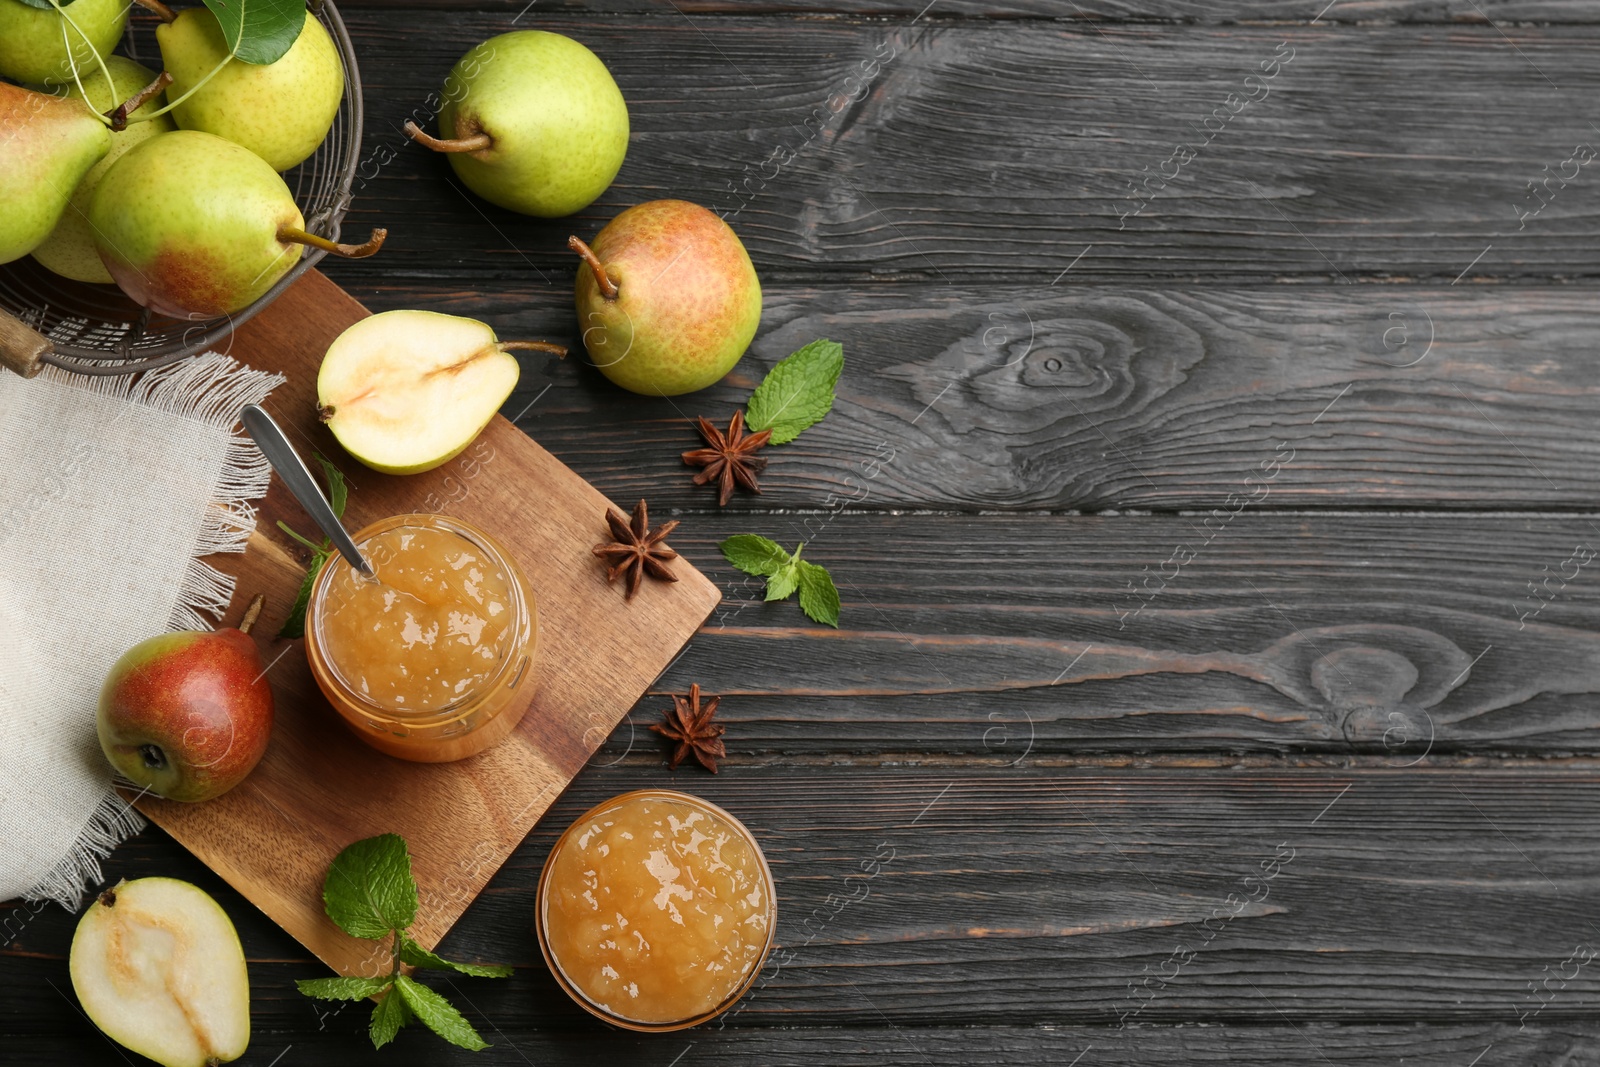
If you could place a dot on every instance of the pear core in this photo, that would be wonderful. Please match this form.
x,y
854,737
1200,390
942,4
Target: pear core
x,y
157,966
406,391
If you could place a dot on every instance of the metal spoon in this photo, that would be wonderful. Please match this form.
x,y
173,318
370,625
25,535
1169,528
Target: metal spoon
x,y
292,469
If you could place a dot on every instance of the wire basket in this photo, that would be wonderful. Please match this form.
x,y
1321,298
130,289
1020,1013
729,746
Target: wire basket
x,y
95,329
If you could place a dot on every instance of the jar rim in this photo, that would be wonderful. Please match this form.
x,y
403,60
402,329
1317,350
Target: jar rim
x,y
542,896
316,646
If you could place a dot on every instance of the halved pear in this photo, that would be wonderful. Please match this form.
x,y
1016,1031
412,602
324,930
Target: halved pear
x,y
158,967
406,391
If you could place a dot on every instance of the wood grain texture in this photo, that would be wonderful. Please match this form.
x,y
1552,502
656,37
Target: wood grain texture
x,y
319,788
1096,398
1031,897
1002,151
1400,638
1572,1044
1369,688
1188,12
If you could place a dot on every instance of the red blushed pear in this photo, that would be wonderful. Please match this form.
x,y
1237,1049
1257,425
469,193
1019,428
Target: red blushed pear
x,y
196,227
47,145
188,715
667,298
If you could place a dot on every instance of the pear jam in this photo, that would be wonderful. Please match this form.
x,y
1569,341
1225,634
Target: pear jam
x,y
656,910
426,657
429,630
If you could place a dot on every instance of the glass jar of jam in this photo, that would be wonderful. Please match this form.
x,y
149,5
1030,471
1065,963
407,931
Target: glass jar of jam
x,y
432,659
656,910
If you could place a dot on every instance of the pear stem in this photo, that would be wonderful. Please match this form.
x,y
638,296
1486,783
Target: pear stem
x,y
195,88
476,143
608,288
252,613
77,78
534,346
165,13
119,114
295,235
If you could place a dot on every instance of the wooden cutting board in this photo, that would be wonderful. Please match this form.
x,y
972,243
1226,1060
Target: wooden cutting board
x,y
319,788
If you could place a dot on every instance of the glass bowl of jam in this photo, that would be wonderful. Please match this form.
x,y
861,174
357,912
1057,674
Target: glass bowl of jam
x,y
433,658
656,910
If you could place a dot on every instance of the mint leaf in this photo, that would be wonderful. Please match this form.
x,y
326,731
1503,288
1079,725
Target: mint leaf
x,y
343,988
417,956
388,1017
781,586
370,893
295,624
785,573
338,491
338,494
312,545
819,597
369,890
439,1015
753,554
797,393
259,31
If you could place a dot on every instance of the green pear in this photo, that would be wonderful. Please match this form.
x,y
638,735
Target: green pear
x,y
34,49
667,298
157,966
196,227
533,122
280,111
69,250
47,145
407,391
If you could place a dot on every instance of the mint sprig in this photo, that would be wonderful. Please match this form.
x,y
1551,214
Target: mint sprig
x,y
338,496
786,572
370,893
797,393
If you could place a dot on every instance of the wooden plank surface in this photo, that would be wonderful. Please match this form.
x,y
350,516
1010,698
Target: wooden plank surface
x,y
1004,150
1184,12
1063,829
1033,897
1400,637
319,788
1368,1045
1106,397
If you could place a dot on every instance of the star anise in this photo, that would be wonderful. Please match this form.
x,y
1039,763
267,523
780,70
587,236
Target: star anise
x,y
637,550
690,725
731,457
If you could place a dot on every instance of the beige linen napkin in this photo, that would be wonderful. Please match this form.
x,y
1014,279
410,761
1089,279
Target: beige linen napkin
x,y
109,495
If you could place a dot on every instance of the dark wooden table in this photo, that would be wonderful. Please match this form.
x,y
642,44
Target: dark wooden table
x,y
1212,495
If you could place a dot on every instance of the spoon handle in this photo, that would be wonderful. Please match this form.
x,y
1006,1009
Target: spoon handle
x,y
287,462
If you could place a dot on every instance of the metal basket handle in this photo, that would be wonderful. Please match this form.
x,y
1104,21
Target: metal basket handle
x,y
22,348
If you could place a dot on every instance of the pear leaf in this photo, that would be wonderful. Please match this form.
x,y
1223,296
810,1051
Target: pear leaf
x,y
46,5
259,31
